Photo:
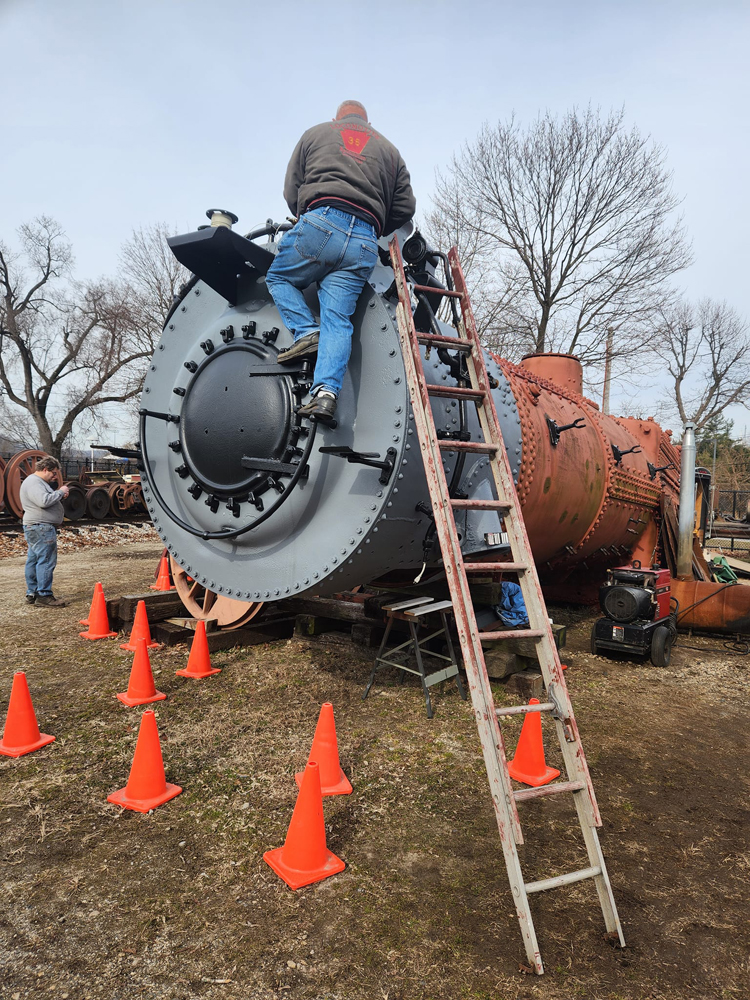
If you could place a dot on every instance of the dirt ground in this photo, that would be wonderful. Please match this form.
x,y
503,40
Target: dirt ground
x,y
99,902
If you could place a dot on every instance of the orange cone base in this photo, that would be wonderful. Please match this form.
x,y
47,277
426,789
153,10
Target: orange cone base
x,y
535,780
131,647
104,635
43,740
162,590
296,879
130,702
119,798
342,787
207,673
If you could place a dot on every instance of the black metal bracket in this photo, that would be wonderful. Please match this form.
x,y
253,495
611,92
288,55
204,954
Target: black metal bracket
x,y
618,453
555,429
269,465
171,418
653,469
119,452
370,458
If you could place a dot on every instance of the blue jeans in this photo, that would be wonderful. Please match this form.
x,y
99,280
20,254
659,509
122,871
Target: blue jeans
x,y
339,251
42,557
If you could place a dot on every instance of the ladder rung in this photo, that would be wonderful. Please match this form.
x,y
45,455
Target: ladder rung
x,y
522,794
545,706
454,392
453,343
481,505
478,446
553,883
429,290
521,633
495,567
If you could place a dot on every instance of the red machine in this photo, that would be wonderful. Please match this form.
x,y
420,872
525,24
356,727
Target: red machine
x,y
640,620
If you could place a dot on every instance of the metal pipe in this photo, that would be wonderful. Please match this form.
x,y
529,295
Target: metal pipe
x,y
687,505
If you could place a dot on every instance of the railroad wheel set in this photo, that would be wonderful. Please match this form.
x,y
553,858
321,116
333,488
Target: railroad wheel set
x,y
93,495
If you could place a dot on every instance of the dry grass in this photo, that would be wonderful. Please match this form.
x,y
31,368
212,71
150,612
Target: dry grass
x,y
95,902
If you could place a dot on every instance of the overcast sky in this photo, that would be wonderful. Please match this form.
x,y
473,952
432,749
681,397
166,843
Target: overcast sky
x,y
119,113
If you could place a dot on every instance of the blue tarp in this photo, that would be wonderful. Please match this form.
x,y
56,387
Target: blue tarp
x,y
511,610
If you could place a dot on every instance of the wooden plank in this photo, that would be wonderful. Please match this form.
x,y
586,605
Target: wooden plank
x,y
428,609
410,603
158,605
327,607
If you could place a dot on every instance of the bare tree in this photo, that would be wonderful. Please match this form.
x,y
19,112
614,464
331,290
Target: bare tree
x,y
153,273
66,349
569,227
706,350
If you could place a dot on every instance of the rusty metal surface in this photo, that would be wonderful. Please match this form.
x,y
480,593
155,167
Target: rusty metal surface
x,y
582,502
716,607
21,465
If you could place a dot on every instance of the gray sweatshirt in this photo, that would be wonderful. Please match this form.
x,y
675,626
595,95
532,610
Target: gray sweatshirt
x,y
41,504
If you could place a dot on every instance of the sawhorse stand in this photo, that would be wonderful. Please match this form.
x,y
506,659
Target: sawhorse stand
x,y
411,611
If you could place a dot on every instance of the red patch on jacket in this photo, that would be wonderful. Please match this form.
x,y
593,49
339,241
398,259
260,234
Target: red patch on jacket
x,y
354,142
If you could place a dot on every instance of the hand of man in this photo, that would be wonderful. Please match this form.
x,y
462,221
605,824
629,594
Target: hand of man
x,y
64,490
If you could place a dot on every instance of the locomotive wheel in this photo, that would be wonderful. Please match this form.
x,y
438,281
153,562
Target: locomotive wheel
x,y
74,503
2,482
97,502
205,604
661,646
18,468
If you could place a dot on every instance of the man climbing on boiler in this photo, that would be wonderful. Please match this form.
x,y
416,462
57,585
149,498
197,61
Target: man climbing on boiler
x,y
348,185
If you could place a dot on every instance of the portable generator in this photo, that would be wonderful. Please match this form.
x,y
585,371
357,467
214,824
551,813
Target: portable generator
x,y
637,602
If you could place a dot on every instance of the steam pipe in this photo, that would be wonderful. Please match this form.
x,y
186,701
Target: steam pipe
x,y
687,505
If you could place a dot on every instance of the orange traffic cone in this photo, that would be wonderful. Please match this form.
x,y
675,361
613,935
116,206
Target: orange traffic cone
x,y
21,734
529,765
147,786
199,661
304,858
141,687
98,620
140,630
325,751
163,579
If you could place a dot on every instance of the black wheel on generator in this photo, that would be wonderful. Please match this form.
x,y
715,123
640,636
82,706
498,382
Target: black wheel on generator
x,y
594,647
661,646
97,502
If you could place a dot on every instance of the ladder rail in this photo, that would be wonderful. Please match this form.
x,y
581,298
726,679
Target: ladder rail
x,y
508,508
549,660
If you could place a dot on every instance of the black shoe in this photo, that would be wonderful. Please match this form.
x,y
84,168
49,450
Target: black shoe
x,y
50,601
30,598
305,345
321,407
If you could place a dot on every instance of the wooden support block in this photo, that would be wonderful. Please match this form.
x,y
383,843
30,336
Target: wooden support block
x,y
315,625
159,606
527,684
502,662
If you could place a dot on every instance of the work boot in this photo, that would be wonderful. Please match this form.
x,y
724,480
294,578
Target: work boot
x,y
305,345
30,598
321,407
50,601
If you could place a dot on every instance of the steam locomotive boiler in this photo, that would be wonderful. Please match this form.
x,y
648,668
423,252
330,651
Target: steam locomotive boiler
x,y
256,504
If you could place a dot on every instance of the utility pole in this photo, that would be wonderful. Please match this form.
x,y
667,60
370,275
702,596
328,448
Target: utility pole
x,y
607,369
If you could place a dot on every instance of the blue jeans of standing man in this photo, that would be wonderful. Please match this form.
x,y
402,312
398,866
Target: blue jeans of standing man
x,y
42,557
339,251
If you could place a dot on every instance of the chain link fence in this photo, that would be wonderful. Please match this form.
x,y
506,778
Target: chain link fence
x,y
730,531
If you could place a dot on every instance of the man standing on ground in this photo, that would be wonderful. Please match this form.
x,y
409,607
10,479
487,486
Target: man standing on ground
x,y
42,512
348,185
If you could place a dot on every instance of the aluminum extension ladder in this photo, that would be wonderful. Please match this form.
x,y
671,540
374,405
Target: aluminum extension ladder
x,y
508,508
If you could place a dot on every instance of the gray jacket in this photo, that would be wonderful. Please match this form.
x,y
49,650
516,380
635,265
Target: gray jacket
x,y
347,163
41,504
